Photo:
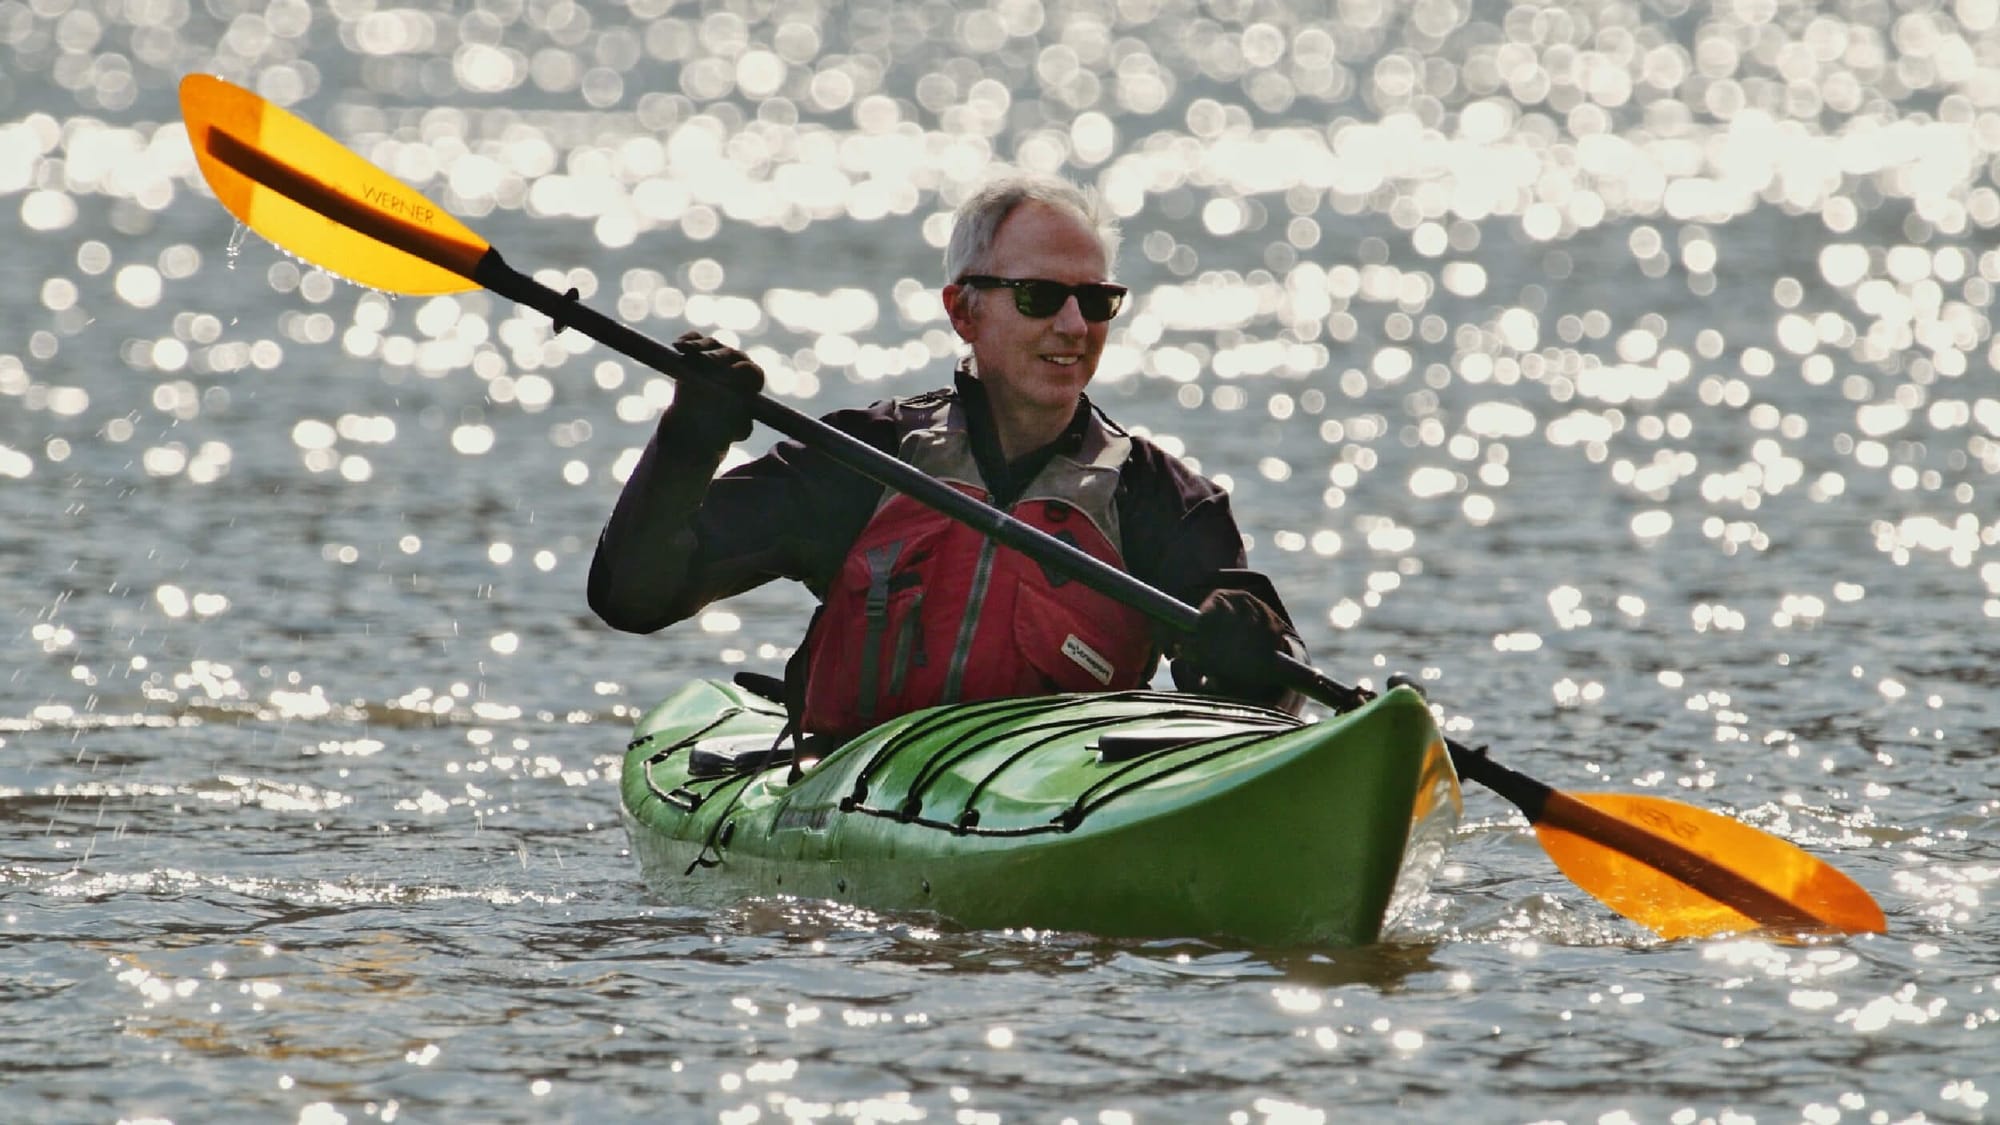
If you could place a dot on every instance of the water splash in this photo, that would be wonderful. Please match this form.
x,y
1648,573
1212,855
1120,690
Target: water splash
x,y
235,248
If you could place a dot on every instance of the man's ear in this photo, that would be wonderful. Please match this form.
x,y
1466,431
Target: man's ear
x,y
958,306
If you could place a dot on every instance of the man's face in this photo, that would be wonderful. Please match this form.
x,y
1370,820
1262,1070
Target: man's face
x,y
1028,363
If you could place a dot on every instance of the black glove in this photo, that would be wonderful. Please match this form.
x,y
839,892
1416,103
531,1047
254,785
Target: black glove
x,y
705,418
1235,645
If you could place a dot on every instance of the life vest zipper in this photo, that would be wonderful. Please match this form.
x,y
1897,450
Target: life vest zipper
x,y
975,602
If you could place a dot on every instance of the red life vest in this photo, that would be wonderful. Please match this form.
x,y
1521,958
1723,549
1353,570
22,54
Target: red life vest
x,y
928,611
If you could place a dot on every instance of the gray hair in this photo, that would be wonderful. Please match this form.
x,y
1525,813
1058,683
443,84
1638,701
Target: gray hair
x,y
979,217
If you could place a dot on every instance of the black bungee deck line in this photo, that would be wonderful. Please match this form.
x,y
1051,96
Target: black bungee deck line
x,y
988,729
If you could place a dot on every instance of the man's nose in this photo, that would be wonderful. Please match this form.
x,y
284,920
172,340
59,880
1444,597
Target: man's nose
x,y
1069,318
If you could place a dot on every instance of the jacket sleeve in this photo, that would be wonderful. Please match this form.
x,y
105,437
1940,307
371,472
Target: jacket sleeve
x,y
641,572
681,537
1181,538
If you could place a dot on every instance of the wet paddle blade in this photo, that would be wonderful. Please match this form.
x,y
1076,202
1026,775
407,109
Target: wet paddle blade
x,y
1753,880
302,190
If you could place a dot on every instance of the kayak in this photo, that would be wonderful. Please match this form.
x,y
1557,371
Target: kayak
x,y
1123,814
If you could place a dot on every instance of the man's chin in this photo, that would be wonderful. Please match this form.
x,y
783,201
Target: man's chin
x,y
1061,395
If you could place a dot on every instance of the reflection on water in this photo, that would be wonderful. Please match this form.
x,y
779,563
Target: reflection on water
x,y
1624,372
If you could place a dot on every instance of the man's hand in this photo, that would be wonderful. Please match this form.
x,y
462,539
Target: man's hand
x,y
1235,646
704,417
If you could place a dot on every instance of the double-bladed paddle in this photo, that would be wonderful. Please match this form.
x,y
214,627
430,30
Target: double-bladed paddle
x,y
1674,868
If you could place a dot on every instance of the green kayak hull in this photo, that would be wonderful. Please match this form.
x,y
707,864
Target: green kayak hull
x,y
1128,814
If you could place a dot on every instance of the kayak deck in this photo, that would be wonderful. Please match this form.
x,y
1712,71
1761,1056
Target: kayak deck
x,y
1141,813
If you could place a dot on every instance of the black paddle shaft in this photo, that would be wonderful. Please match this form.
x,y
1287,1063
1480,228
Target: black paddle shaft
x,y
854,454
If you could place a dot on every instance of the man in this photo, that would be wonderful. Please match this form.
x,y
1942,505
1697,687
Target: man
x,y
917,610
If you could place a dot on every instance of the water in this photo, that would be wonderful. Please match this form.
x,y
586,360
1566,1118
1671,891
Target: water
x,y
1623,369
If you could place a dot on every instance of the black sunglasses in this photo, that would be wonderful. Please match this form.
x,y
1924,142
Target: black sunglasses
x,y
1040,298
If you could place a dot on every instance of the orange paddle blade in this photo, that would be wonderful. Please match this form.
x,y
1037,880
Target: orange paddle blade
x,y
1738,879
301,189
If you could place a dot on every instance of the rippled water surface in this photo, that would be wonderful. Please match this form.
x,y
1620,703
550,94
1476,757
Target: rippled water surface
x,y
1623,369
